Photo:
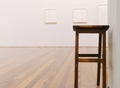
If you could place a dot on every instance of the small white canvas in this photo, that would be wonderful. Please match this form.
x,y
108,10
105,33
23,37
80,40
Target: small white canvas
x,y
50,16
79,15
102,14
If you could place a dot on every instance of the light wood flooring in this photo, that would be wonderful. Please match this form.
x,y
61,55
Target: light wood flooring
x,y
44,68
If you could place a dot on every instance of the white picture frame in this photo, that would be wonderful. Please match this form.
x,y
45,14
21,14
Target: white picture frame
x,y
80,15
102,14
50,16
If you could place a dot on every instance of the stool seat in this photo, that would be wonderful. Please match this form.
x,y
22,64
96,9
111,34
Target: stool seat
x,y
90,28
99,58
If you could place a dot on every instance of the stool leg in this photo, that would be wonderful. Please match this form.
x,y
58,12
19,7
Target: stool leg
x,y
104,60
99,64
98,74
76,60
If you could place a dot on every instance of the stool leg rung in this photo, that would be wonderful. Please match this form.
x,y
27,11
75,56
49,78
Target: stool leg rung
x,y
91,60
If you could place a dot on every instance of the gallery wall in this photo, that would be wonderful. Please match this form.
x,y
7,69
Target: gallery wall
x,y
48,22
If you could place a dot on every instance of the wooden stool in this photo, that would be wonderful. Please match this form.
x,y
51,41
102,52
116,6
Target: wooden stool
x,y
101,30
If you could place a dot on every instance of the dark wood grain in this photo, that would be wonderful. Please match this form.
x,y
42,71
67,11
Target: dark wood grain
x,y
90,28
104,60
99,64
76,59
90,60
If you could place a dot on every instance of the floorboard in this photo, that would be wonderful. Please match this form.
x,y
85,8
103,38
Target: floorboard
x,y
44,68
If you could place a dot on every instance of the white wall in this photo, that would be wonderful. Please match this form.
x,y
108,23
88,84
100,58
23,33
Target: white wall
x,y
22,22
114,43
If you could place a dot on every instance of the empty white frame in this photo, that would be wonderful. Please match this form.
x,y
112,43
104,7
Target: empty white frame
x,y
102,1
50,16
102,14
80,15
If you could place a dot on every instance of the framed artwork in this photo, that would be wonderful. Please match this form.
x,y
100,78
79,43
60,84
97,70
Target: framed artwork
x,y
50,16
102,14
80,15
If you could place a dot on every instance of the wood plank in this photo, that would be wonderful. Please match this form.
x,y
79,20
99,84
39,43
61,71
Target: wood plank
x,y
90,60
44,68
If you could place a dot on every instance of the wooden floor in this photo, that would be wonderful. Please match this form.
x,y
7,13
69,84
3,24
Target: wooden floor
x,y
44,68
